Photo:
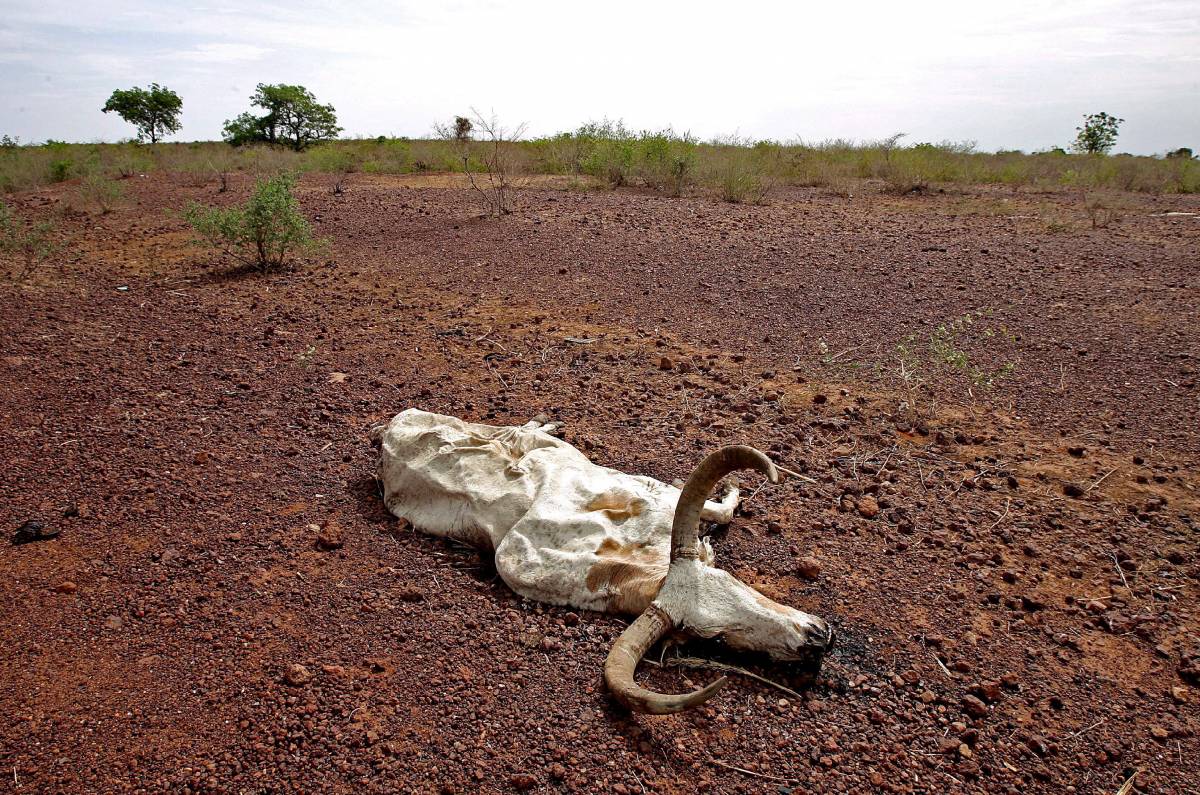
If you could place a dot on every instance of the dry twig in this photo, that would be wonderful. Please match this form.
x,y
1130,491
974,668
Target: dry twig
x,y
697,662
767,776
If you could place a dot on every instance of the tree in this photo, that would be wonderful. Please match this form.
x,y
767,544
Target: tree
x,y
1098,134
462,128
293,118
1182,152
154,111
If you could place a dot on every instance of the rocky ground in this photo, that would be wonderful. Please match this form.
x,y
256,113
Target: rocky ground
x,y
999,514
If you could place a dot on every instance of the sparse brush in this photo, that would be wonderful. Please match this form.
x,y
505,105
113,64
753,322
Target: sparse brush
x,y
263,233
31,243
953,350
741,172
338,161
98,191
618,156
1101,212
492,163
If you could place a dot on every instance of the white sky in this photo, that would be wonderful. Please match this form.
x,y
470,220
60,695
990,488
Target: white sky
x,y
1006,73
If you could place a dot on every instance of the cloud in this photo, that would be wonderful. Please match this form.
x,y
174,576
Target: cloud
x,y
214,52
1013,74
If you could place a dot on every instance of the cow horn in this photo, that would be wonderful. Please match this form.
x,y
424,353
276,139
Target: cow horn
x,y
623,660
686,527
654,623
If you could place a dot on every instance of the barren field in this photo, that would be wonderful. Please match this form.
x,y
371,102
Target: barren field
x,y
1012,571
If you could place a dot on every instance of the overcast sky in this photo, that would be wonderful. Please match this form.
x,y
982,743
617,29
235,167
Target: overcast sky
x,y
1007,73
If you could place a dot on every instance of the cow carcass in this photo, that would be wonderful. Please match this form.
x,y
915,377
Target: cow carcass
x,y
569,532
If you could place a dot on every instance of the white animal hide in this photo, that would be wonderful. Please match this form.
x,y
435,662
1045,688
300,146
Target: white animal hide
x,y
569,532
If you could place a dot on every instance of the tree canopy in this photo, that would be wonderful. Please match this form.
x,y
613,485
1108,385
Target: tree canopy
x,y
293,118
1098,134
154,111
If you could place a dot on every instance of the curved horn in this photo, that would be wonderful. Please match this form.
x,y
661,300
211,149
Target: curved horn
x,y
686,527
624,657
654,622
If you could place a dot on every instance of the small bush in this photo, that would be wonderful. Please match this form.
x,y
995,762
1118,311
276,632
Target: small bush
x,y
30,243
264,232
340,161
666,161
741,171
97,190
60,170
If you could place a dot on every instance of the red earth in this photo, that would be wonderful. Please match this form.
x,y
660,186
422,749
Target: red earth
x,y
1012,568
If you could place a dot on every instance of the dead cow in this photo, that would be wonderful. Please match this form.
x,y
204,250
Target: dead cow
x,y
569,532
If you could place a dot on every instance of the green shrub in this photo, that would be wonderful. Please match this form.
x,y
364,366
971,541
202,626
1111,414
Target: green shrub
x,y
666,161
262,233
387,156
60,170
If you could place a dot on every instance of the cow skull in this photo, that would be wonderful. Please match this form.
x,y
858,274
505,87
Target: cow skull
x,y
569,532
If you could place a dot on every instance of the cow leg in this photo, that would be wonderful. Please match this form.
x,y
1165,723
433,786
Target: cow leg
x,y
542,423
721,512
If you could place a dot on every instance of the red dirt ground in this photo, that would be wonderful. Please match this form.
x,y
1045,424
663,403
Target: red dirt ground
x,y
191,435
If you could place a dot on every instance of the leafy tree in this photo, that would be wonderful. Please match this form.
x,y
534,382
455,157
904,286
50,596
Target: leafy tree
x,y
263,232
293,118
1098,134
1183,152
154,111
462,128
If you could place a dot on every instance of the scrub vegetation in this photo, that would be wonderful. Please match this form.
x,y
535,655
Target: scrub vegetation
x,y
665,161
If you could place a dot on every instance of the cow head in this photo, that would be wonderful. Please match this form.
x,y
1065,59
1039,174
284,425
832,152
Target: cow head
x,y
702,600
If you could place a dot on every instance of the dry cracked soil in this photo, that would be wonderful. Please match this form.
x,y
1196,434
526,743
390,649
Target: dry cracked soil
x,y
992,407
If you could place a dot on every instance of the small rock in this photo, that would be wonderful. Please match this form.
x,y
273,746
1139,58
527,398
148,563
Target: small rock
x,y
1179,694
66,587
297,675
33,530
1159,733
868,507
114,622
974,707
988,691
808,567
1037,744
410,595
665,364
329,536
523,782
1073,490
